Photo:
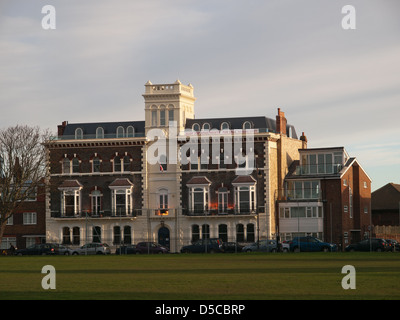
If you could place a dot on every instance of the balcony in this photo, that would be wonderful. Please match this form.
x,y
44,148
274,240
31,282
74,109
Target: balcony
x,y
221,213
318,169
101,214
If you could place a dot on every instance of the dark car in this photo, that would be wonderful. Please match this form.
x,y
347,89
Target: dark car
x,y
311,244
368,245
232,247
38,249
150,247
211,245
128,249
262,246
393,245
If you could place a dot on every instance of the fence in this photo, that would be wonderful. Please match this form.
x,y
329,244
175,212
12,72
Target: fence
x,y
387,232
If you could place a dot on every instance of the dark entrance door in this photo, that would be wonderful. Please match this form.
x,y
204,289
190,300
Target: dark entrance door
x,y
163,237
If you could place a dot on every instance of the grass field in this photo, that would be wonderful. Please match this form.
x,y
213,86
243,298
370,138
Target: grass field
x,y
195,277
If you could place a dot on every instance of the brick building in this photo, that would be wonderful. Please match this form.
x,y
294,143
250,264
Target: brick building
x,y
386,205
27,225
170,179
327,194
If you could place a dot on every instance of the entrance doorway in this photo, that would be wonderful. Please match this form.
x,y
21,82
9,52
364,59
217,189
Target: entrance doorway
x,y
163,237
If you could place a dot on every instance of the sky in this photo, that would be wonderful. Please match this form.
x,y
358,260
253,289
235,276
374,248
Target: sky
x,y
340,86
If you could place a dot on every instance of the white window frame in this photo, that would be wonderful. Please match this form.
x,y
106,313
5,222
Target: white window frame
x,y
29,218
127,191
205,190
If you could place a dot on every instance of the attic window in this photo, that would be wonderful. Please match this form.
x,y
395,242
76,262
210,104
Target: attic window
x,y
99,133
196,127
246,125
120,132
224,126
78,134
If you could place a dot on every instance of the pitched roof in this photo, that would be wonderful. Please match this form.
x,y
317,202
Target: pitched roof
x,y
121,182
386,197
200,180
70,184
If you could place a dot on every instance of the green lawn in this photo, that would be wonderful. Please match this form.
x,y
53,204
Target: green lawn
x,y
219,276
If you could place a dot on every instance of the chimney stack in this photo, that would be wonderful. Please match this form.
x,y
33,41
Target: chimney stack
x,y
281,122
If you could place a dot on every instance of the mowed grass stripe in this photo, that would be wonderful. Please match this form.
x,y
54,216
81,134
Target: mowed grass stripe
x,y
241,276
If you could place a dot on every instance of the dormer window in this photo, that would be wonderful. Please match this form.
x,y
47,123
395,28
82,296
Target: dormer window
x,y
224,126
206,126
78,134
130,132
196,127
120,132
99,133
246,125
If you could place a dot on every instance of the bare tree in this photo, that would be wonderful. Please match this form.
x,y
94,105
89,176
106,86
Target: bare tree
x,y
22,167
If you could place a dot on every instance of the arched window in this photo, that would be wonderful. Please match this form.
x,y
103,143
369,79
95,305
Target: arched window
x,y
196,127
223,232
127,235
78,134
162,116
224,126
99,133
246,125
96,234
120,132
195,233
130,132
76,236
117,235
206,126
66,236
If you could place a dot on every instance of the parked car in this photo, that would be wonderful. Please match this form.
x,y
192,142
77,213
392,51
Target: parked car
x,y
93,248
210,245
63,250
232,247
393,245
369,245
311,244
127,249
263,246
38,249
285,245
150,247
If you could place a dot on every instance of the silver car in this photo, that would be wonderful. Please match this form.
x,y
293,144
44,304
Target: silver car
x,y
263,246
93,248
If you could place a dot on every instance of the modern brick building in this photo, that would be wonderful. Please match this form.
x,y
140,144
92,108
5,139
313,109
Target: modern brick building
x,y
327,194
171,178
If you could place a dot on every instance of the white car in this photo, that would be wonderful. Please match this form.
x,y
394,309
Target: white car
x,y
93,248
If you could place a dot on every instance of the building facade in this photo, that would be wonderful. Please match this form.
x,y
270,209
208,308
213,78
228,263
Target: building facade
x,y
27,225
171,178
326,194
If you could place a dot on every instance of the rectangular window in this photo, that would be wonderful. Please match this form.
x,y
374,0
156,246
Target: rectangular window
x,y
223,201
29,218
154,118
170,115
198,199
162,118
